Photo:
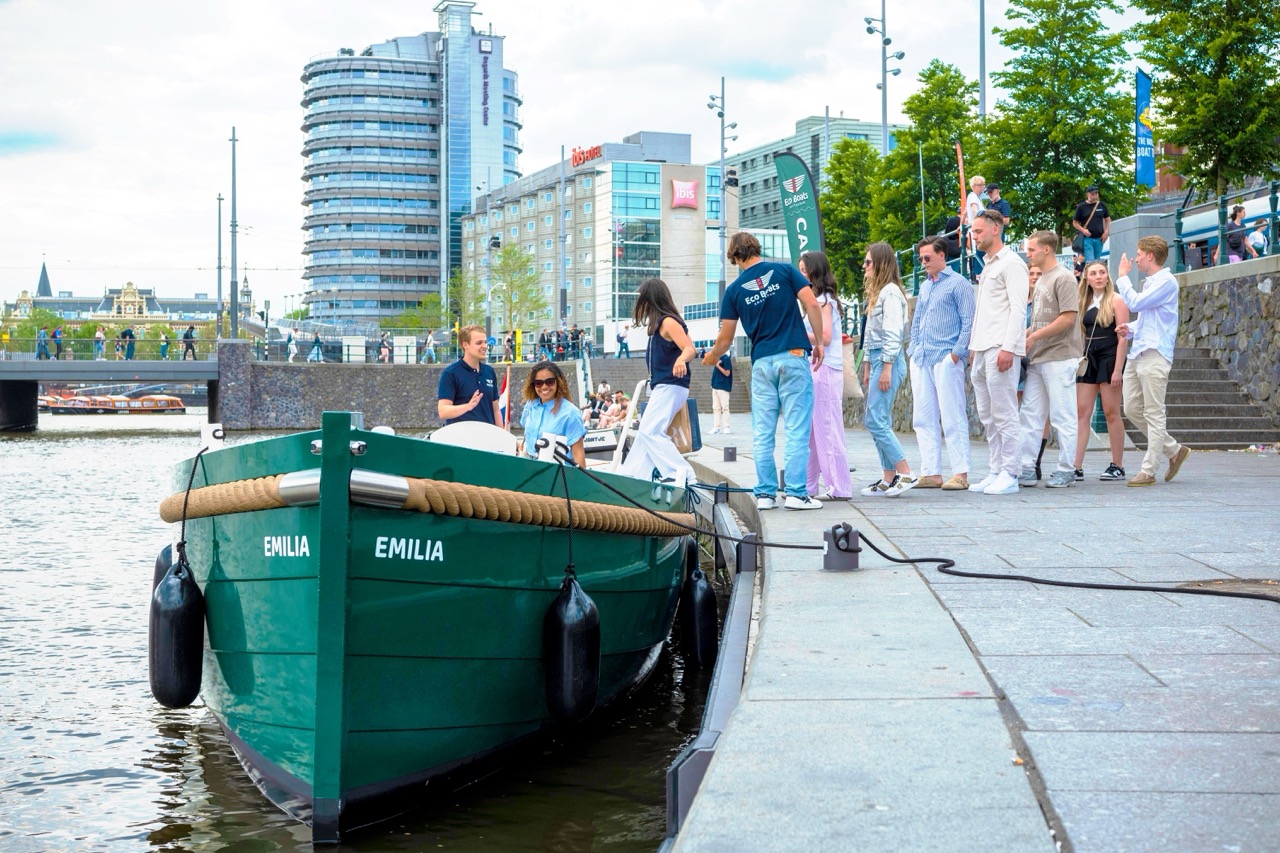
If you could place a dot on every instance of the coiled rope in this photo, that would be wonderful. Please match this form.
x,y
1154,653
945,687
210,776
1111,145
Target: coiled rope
x,y
443,498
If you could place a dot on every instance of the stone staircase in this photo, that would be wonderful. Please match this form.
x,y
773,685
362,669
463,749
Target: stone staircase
x,y
1206,410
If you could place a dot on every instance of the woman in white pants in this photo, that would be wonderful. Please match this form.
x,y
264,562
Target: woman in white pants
x,y
667,356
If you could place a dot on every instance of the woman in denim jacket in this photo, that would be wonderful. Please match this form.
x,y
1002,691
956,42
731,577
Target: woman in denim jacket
x,y
884,365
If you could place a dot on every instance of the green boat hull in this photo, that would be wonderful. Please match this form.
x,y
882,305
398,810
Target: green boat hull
x,y
357,654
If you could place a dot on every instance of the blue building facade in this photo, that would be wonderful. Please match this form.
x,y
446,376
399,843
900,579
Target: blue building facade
x,y
400,139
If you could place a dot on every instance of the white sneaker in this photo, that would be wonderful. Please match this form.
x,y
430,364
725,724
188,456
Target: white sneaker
x,y
878,489
715,430
765,503
1005,484
805,502
981,485
901,483
725,430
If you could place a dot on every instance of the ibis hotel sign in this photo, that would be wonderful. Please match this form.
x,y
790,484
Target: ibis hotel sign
x,y
684,194
583,155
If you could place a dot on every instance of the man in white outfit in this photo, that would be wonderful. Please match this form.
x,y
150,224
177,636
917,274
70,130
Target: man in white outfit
x,y
1054,345
940,330
998,340
1146,372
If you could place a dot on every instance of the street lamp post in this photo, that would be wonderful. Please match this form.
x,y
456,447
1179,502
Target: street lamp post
x,y
488,256
885,71
716,104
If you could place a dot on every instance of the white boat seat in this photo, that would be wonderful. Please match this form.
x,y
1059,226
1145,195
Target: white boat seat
x,y
477,436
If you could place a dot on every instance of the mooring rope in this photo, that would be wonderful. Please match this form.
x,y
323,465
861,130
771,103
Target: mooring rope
x,y
443,498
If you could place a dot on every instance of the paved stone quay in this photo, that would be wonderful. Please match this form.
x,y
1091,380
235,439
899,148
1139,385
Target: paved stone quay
x,y
896,708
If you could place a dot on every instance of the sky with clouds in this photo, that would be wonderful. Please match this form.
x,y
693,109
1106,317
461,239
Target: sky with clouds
x,y
115,115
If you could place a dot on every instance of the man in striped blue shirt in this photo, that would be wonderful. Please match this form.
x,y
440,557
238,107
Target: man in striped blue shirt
x,y
939,345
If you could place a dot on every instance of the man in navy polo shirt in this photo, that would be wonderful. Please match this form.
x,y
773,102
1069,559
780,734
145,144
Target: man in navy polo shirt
x,y
468,389
764,298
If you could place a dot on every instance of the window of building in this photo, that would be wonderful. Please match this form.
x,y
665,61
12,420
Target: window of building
x,y
530,226
515,230
586,232
471,245
546,220
586,282
471,226
586,307
548,197
546,244
586,183
586,207
547,266
530,203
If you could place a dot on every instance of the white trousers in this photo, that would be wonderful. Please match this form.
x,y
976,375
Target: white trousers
x,y
719,407
1050,393
996,394
652,447
938,410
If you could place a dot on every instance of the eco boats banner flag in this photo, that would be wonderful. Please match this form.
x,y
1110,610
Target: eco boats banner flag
x,y
1144,149
799,205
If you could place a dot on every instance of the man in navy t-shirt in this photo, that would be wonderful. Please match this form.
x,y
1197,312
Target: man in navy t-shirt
x,y
468,389
763,298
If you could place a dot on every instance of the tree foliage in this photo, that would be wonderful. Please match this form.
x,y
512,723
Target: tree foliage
x,y
466,306
942,112
1216,85
517,296
845,203
1068,121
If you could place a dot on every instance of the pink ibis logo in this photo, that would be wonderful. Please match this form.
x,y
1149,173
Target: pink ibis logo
x,y
793,185
684,194
758,283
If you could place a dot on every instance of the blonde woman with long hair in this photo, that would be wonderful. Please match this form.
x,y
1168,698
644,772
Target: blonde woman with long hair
x,y
1102,311
886,309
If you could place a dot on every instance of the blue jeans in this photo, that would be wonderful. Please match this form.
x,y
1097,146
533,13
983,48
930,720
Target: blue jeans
x,y
879,419
781,384
1092,249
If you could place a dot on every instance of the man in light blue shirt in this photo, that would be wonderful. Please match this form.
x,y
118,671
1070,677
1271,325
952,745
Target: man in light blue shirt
x,y
940,332
1146,374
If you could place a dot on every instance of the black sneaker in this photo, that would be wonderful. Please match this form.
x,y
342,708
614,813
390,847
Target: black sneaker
x,y
1113,472
1080,475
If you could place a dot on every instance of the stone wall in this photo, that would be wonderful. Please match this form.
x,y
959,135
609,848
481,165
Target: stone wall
x,y
275,395
1234,311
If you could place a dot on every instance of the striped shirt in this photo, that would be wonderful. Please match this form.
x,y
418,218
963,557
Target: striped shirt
x,y
943,320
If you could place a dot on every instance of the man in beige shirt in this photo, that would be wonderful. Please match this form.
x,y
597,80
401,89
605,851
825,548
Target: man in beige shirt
x,y
1054,346
999,336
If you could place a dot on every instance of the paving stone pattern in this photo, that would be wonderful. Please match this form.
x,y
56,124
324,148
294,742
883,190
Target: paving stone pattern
x,y
884,709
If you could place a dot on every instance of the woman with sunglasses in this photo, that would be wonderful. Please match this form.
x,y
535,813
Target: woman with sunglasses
x,y
886,326
667,356
549,411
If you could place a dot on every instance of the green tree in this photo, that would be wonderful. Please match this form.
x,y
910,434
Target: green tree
x,y
1068,120
466,306
942,113
517,294
27,327
846,209
1216,85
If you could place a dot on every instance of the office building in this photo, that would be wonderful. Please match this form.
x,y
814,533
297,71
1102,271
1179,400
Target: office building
x,y
401,137
630,211
760,205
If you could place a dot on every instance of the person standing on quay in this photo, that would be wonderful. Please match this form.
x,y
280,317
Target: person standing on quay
x,y
974,203
1093,220
129,340
188,343
468,388
763,297
1103,311
1146,375
721,391
668,356
42,344
938,351
164,346
624,348
827,455
883,349
1053,346
100,345
999,336
57,344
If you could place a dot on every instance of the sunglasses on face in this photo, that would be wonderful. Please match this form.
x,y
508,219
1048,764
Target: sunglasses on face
x,y
867,262
544,383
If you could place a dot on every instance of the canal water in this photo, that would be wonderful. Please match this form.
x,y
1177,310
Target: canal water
x,y
89,761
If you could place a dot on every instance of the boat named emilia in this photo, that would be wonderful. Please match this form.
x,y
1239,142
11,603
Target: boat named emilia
x,y
381,615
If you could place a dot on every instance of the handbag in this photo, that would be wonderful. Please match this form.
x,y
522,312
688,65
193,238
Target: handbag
x,y
681,430
852,387
1083,365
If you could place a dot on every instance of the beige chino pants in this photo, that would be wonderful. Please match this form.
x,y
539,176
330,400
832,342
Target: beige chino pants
x,y
1145,380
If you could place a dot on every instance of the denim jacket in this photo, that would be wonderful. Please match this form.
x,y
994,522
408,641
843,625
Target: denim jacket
x,y
886,324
